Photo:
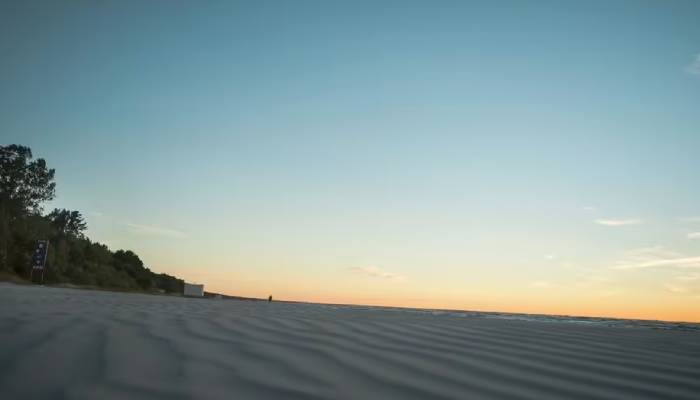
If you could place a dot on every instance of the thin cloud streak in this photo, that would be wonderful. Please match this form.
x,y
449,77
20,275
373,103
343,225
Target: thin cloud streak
x,y
694,235
694,67
675,288
618,222
691,277
375,272
683,262
656,257
155,231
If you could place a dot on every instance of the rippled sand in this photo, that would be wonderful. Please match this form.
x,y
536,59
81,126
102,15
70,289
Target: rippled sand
x,y
80,344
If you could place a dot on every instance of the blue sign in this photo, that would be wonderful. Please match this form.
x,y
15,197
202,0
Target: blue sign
x,y
40,253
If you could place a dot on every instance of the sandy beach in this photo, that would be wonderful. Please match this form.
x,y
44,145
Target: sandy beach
x,y
81,344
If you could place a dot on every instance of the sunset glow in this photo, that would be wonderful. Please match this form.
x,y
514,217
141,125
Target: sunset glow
x,y
530,157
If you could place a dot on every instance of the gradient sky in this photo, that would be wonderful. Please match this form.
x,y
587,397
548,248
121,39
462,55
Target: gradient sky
x,y
537,156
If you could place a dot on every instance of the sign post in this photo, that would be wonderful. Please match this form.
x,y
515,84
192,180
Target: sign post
x,y
39,258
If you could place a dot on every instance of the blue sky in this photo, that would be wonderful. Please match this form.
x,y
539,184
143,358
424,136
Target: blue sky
x,y
452,154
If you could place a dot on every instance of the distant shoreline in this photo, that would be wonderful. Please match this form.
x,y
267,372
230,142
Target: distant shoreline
x,y
522,316
652,323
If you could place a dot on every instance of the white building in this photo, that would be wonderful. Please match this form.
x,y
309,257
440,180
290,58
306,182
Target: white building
x,y
194,290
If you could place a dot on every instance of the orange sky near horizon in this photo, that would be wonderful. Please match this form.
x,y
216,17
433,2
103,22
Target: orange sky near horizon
x,y
512,156
359,289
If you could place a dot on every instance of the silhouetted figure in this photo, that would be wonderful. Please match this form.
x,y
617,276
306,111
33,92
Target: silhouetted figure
x,y
269,298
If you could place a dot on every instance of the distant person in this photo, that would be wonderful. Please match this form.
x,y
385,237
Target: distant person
x,y
269,299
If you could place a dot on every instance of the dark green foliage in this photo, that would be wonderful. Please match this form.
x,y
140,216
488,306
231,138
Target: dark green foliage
x,y
169,284
130,263
72,257
24,184
67,223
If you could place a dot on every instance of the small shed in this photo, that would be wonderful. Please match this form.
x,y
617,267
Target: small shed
x,y
193,290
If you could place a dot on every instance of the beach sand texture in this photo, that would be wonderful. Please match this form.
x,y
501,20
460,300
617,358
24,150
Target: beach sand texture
x,y
81,344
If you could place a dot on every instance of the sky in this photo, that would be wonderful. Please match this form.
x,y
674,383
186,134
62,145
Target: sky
x,y
515,156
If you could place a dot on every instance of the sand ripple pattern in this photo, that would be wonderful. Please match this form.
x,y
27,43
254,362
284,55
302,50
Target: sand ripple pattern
x,y
79,344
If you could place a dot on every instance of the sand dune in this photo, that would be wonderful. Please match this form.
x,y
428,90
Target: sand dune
x,y
80,344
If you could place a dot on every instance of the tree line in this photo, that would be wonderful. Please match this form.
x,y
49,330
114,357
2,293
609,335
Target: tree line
x,y
25,184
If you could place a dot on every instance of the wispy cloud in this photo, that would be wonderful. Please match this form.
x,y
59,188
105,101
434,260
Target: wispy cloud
x,y
694,235
685,262
376,272
656,257
690,277
651,252
589,208
549,256
694,66
540,285
691,219
675,288
154,231
618,222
